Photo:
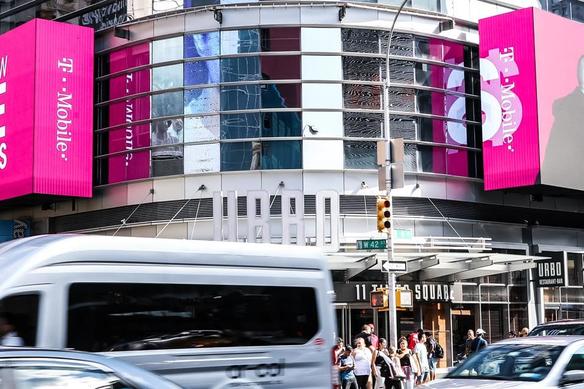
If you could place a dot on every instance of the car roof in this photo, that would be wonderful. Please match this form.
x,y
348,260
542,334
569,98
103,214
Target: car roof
x,y
547,340
561,322
25,255
126,370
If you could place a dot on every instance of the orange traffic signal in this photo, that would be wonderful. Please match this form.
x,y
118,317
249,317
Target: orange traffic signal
x,y
379,299
383,214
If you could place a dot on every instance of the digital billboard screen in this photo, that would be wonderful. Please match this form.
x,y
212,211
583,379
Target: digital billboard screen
x,y
532,94
46,110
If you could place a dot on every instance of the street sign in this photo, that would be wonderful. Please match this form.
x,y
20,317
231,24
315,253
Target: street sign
x,y
372,244
394,266
403,234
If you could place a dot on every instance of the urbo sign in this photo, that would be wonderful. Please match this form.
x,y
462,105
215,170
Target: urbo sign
x,y
550,273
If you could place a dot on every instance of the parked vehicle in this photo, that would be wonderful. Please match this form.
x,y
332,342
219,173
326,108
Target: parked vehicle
x,y
202,314
521,363
52,369
561,327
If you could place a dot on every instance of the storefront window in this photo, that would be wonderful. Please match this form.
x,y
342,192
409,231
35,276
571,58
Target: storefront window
x,y
494,321
574,271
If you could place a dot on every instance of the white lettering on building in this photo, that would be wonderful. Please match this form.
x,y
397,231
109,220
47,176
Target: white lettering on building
x,y
64,108
3,87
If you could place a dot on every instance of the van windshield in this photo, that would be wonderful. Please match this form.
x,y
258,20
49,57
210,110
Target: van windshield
x,y
117,317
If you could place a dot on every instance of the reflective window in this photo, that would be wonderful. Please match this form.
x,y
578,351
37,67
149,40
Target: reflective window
x,y
281,124
167,49
167,161
121,317
167,132
129,138
167,104
362,96
430,5
240,41
401,71
446,161
281,155
360,155
205,44
363,125
240,97
432,159
240,126
401,99
129,166
202,72
280,67
280,39
20,312
240,69
360,40
401,44
201,128
201,100
129,57
240,156
361,68
129,84
403,127
54,373
203,158
128,111
280,95
167,77
439,131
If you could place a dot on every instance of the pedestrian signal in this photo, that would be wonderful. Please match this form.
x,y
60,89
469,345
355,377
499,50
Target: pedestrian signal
x,y
383,215
379,299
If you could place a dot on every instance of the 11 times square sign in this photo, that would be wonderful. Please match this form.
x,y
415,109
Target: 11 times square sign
x,y
46,110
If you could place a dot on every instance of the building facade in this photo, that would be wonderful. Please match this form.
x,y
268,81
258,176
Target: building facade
x,y
260,122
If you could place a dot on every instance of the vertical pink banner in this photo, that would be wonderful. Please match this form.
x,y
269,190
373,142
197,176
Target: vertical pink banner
x,y
63,109
132,164
509,100
17,67
46,110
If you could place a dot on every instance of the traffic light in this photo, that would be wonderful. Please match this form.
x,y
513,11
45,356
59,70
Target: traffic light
x,y
379,299
383,214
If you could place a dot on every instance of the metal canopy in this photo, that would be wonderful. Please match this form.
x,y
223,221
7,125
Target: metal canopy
x,y
438,266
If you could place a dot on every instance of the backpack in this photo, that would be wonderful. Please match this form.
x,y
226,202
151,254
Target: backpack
x,y
438,351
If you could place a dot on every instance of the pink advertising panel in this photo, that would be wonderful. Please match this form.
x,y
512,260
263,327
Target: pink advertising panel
x,y
46,110
134,163
509,101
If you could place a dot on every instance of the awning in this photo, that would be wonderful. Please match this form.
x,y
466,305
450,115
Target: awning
x,y
436,266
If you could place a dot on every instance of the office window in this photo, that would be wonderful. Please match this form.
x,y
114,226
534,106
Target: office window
x,y
202,72
280,39
167,77
280,67
240,69
240,41
201,100
205,44
360,41
360,155
240,126
280,95
240,97
281,124
164,50
363,125
167,104
362,96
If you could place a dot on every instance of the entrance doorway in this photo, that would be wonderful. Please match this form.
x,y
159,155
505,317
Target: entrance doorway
x,y
462,321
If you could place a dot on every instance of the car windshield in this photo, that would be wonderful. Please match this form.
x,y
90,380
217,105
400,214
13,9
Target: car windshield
x,y
555,330
516,362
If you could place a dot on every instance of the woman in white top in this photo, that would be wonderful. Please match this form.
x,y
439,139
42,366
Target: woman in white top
x,y
362,356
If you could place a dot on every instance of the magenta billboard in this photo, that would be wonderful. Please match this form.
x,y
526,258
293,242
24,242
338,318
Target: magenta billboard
x,y
46,110
532,91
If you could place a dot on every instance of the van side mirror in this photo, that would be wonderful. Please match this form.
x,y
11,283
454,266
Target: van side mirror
x,y
572,377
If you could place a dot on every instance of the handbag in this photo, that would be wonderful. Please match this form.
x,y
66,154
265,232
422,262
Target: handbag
x,y
413,364
394,368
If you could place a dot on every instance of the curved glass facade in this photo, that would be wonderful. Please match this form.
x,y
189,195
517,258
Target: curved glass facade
x,y
267,98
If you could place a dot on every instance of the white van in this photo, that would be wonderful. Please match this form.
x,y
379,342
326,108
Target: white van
x,y
202,314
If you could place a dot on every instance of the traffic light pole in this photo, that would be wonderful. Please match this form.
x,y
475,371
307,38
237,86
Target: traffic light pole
x,y
391,285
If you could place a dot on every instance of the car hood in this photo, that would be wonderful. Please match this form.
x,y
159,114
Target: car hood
x,y
451,383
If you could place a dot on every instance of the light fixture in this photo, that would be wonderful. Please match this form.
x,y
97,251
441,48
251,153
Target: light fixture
x,y
218,15
342,13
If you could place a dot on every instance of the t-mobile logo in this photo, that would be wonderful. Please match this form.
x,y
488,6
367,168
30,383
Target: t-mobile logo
x,y
3,85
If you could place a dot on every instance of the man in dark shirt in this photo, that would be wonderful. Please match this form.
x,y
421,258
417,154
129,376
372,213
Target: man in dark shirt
x,y
479,342
365,334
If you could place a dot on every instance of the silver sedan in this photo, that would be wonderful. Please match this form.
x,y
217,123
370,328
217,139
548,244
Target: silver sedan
x,y
521,363
48,369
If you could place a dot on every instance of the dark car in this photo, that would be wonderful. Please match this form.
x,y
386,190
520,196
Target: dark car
x,y
559,328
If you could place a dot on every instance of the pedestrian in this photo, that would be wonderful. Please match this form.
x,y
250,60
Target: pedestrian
x,y
470,336
8,335
374,339
338,350
362,356
479,342
524,332
422,354
396,378
413,339
431,347
511,335
346,366
379,364
409,363
365,334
